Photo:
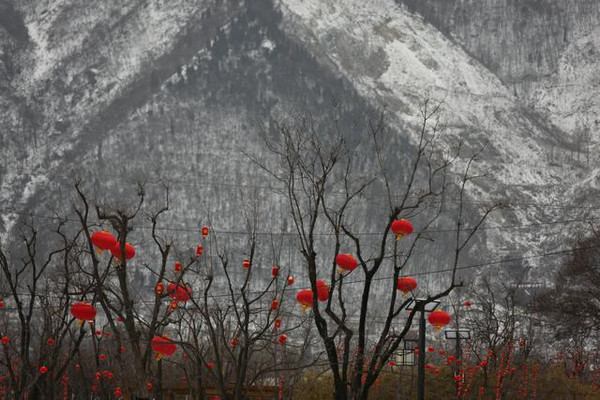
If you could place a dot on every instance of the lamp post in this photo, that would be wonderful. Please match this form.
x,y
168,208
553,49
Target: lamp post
x,y
423,306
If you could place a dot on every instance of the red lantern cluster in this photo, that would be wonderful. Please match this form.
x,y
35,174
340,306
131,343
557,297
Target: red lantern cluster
x,y
406,284
346,262
439,319
401,228
163,346
179,292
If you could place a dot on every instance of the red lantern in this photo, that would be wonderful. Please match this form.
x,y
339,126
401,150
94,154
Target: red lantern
x,y
163,346
275,271
290,280
129,251
103,240
401,227
277,323
430,349
173,305
1,304
204,231
180,292
160,288
282,339
210,365
5,339
149,386
305,297
406,284
43,369
274,305
102,357
442,352
199,250
346,262
439,319
83,311
234,342
94,388
118,391
246,264
98,333
322,291
50,342
122,349
177,266
392,364
77,367
468,303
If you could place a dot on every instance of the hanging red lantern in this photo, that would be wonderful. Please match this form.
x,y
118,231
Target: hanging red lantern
x,y
246,264
210,365
442,352
5,340
180,292
204,231
430,349
234,342
439,319
50,342
149,386
392,364
277,323
103,240
43,369
346,262
173,305
177,266
118,392
322,291
274,305
98,333
83,311
1,304
122,349
305,297
102,357
401,227
129,251
199,250
77,367
290,280
160,288
94,388
275,271
163,346
468,303
282,339
406,284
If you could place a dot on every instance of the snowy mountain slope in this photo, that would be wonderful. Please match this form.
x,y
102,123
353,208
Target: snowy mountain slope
x,y
124,90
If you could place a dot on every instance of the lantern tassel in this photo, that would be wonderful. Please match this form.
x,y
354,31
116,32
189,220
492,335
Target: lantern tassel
x,y
341,271
159,356
79,323
304,307
99,251
399,236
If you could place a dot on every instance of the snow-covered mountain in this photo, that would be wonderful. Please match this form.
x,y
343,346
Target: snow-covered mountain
x,y
117,90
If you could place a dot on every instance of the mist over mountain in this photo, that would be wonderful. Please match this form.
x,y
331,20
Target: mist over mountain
x,y
117,91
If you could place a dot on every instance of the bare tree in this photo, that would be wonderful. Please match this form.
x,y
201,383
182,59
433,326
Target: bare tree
x,y
325,189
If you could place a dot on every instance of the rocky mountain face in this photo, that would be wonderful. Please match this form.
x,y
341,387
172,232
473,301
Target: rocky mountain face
x,y
115,91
